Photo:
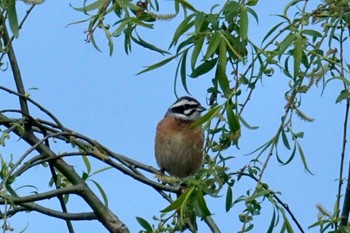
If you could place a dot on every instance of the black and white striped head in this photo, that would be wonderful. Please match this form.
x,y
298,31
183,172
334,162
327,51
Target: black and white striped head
x,y
186,108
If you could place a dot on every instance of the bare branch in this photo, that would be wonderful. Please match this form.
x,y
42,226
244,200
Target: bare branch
x,y
77,189
53,213
15,70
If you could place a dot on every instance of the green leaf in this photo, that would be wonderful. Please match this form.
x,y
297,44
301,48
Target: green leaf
x,y
100,170
179,202
118,31
200,205
344,95
287,225
286,43
222,55
92,40
204,68
208,116
198,45
3,137
253,13
272,223
232,119
271,31
144,224
93,6
245,124
157,65
183,70
243,24
87,164
200,18
229,197
291,157
187,5
303,159
110,41
102,192
224,84
214,42
285,139
290,4
13,20
297,54
147,45
312,33
257,194
185,25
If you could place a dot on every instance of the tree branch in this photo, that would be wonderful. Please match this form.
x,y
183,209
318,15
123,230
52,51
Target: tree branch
x,y
77,189
15,70
104,215
53,213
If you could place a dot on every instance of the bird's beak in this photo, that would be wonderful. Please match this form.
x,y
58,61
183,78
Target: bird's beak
x,y
201,108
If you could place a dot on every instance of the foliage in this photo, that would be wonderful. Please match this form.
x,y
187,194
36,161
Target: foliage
x,y
306,45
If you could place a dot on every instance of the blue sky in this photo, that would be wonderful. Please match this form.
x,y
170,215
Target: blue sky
x,y
101,97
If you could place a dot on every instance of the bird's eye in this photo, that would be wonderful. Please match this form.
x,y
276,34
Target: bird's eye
x,y
186,106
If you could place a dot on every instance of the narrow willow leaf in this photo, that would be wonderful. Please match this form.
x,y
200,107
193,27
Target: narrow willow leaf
x,y
93,6
214,42
102,192
297,54
181,29
285,140
202,210
157,65
100,170
232,119
204,68
272,223
290,4
312,33
245,123
198,45
208,116
236,47
287,225
303,159
187,5
271,31
13,20
285,44
147,45
222,55
87,164
118,31
183,44
291,157
344,95
92,40
179,202
224,84
144,224
257,195
253,13
229,198
243,24
110,41
183,71
200,17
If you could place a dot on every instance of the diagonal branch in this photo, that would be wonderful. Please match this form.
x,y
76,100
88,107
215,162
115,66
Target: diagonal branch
x,y
50,212
77,189
15,70
103,214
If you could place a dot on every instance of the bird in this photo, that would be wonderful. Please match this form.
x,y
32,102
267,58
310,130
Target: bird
x,y
179,145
